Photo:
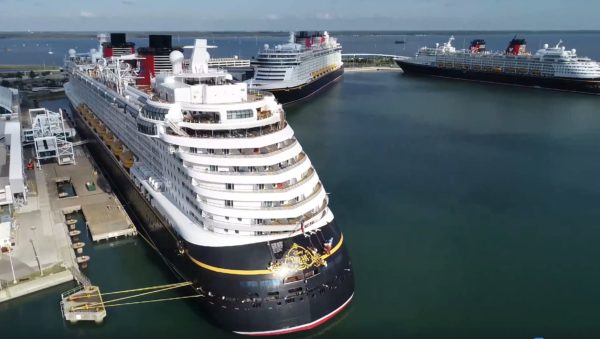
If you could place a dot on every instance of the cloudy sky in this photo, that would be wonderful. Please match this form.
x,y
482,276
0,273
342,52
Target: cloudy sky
x,y
202,15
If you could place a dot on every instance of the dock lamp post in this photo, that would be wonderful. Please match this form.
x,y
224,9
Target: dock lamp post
x,y
12,267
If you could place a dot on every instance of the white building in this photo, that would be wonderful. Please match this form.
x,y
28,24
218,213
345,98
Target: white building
x,y
12,178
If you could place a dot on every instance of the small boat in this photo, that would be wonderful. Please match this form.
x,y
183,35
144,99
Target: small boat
x,y
400,42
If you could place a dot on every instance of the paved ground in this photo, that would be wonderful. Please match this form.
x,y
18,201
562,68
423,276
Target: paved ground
x,y
39,230
41,225
103,211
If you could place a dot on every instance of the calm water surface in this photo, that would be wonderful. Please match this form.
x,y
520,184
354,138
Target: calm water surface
x,y
470,211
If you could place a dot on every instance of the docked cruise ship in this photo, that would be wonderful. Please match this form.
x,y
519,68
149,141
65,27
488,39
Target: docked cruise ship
x,y
221,186
552,67
307,63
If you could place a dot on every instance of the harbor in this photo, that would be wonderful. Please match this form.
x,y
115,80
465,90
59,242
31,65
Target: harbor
x,y
44,249
475,229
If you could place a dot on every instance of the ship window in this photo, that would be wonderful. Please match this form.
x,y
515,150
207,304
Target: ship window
x,y
229,186
311,274
295,290
229,203
154,113
270,283
294,278
240,114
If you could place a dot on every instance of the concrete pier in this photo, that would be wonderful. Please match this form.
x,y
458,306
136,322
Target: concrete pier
x,y
104,214
42,255
83,303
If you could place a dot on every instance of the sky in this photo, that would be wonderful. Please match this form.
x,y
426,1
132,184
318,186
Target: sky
x,y
285,15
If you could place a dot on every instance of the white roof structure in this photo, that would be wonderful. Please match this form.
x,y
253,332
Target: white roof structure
x,y
9,103
4,233
12,178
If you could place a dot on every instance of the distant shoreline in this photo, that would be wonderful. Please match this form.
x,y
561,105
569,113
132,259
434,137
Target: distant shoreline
x,y
143,34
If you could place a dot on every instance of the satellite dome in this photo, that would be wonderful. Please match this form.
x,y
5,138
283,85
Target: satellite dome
x,y
72,52
176,57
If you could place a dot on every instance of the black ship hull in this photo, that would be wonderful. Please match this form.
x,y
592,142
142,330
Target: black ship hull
x,y
240,293
290,95
591,86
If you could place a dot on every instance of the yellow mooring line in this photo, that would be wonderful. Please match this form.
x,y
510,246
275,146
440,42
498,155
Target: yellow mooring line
x,y
154,289
148,288
156,300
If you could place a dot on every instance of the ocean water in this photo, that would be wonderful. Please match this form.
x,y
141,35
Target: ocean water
x,y
470,211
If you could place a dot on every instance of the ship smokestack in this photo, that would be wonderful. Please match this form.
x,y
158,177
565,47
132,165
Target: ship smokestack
x,y
155,58
117,45
516,47
477,46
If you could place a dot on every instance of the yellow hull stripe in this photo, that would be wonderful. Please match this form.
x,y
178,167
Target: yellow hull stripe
x,y
255,272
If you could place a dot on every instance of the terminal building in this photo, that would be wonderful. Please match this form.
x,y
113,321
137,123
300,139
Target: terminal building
x,y
13,191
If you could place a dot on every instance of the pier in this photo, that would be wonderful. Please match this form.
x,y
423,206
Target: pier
x,y
86,302
103,213
45,248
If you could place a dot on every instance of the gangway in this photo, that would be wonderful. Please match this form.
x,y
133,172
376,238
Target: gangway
x,y
81,142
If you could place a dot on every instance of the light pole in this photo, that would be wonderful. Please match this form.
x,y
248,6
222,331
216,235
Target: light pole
x,y
37,258
12,267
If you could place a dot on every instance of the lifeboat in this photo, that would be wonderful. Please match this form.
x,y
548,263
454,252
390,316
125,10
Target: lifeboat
x,y
127,159
116,147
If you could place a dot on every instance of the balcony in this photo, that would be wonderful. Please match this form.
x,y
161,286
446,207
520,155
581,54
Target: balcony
x,y
235,133
245,170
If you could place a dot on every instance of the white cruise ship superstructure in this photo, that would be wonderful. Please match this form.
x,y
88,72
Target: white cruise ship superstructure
x,y
292,71
222,186
553,67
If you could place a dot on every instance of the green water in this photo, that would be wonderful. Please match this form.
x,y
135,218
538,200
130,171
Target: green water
x,y
470,211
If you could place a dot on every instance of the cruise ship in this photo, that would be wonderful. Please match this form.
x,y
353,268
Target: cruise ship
x,y
306,64
552,67
219,183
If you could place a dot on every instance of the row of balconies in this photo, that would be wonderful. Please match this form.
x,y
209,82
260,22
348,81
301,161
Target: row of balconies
x,y
262,205
268,226
257,188
243,152
250,170
235,133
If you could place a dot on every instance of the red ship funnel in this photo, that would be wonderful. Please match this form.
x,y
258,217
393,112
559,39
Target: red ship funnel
x,y
117,46
516,47
477,46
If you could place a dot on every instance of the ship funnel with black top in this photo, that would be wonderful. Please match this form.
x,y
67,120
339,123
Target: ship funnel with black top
x,y
477,46
516,46
117,46
308,39
155,58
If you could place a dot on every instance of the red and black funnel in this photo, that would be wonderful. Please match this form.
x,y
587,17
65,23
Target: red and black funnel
x,y
516,46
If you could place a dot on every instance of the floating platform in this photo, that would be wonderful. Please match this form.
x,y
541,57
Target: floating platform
x,y
83,304
108,220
